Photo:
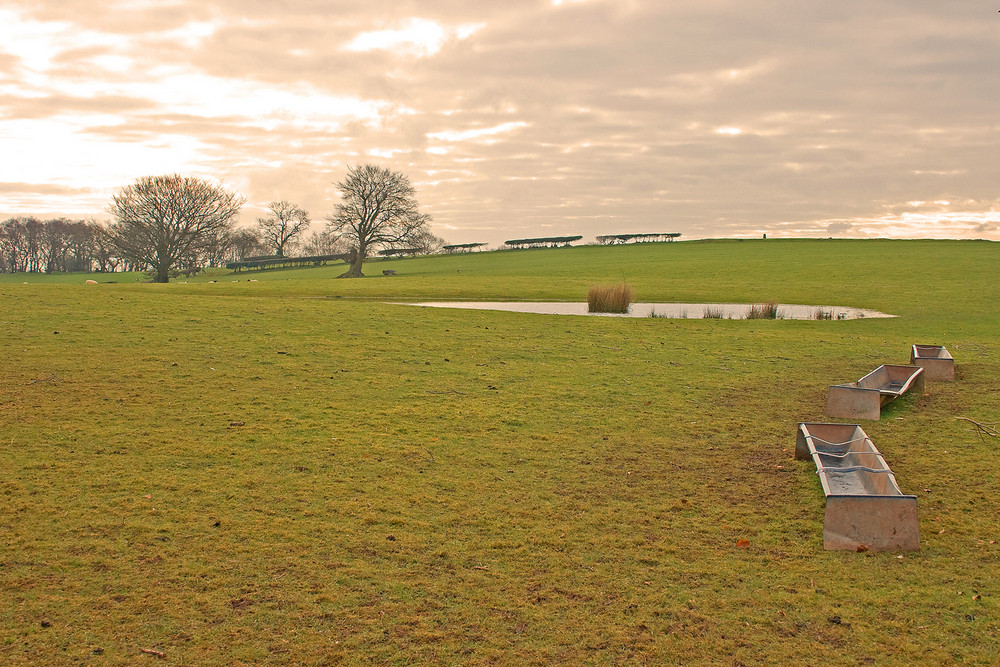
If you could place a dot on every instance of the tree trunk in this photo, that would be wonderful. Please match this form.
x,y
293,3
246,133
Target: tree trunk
x,y
163,263
357,261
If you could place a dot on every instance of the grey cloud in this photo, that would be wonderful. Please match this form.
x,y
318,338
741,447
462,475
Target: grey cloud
x,y
60,105
846,110
839,227
40,189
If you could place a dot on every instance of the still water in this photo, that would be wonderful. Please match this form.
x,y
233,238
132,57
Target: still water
x,y
734,311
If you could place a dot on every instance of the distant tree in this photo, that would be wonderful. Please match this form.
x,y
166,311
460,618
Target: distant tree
x,y
80,247
427,243
323,243
33,241
54,244
60,244
105,256
161,221
13,253
245,243
286,222
377,209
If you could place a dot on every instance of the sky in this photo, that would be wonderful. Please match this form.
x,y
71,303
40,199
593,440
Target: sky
x,y
521,118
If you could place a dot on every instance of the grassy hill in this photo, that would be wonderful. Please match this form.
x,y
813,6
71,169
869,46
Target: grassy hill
x,y
294,471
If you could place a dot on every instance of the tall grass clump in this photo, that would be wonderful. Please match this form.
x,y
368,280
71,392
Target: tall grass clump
x,y
682,315
609,298
763,311
713,313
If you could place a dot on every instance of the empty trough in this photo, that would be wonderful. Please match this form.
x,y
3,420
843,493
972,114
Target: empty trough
x,y
864,507
864,399
936,361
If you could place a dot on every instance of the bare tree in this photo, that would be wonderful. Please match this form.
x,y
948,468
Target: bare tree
x,y
54,244
323,243
284,224
160,220
245,243
13,250
377,208
427,243
105,255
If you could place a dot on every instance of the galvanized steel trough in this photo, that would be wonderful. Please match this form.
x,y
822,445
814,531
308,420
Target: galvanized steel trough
x,y
936,361
864,399
864,507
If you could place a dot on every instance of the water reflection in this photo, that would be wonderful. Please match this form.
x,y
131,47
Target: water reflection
x,y
733,311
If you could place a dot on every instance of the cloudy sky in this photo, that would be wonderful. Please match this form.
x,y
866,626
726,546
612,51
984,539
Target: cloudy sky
x,y
520,118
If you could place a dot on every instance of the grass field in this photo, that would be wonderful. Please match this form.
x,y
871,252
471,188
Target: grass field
x,y
295,471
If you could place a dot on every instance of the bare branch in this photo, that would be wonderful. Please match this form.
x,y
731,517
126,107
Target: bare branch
x,y
378,208
982,430
286,222
163,220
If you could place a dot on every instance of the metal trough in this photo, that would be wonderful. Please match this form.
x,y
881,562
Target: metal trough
x,y
936,361
864,399
864,507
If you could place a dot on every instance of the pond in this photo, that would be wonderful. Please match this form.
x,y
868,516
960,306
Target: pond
x,y
733,311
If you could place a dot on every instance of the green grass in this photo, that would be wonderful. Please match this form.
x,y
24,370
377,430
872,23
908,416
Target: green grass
x,y
244,473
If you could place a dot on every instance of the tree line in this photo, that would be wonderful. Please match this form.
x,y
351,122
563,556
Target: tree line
x,y
168,224
31,245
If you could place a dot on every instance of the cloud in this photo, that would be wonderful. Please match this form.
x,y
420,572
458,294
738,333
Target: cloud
x,y
416,36
836,228
41,189
719,118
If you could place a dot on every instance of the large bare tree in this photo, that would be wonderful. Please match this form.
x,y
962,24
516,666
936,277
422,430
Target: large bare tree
x,y
162,220
378,207
286,222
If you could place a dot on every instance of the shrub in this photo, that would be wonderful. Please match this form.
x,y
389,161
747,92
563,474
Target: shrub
x,y
763,311
609,298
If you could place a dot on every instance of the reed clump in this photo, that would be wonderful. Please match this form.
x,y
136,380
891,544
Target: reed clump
x,y
609,298
763,311
713,313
